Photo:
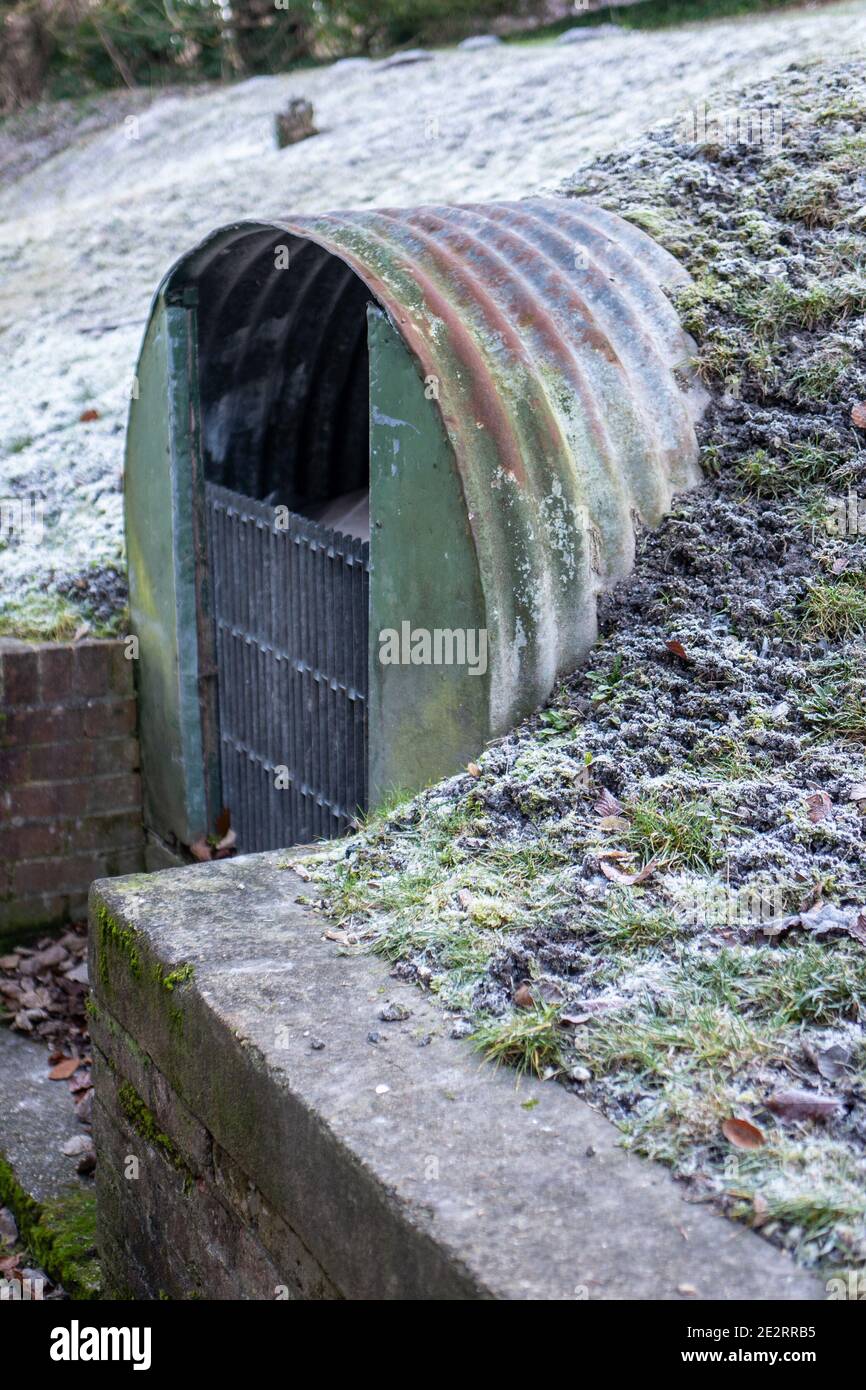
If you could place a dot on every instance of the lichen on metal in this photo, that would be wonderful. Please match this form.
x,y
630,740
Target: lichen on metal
x,y
555,375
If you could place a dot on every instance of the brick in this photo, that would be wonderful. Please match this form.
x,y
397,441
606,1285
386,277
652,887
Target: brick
x,y
110,832
110,719
40,910
51,724
38,840
122,672
49,800
115,794
56,673
19,676
14,766
93,669
70,874
62,762
113,755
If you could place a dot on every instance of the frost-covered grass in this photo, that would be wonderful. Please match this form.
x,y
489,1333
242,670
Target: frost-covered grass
x,y
734,969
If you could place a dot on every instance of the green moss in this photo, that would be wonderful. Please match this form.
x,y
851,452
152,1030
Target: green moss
x,y
113,937
143,1121
59,1234
174,978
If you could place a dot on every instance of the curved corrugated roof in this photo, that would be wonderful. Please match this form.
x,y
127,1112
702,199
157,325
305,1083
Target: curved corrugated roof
x,y
563,377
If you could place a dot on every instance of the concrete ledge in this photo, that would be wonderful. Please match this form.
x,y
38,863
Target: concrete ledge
x,y
271,1166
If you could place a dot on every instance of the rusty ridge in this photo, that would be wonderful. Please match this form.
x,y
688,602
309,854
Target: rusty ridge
x,y
566,390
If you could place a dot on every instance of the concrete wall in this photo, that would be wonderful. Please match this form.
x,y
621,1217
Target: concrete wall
x,y
264,1133
70,793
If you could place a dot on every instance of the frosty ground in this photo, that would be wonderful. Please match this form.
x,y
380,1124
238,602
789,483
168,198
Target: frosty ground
x,y
86,235
655,891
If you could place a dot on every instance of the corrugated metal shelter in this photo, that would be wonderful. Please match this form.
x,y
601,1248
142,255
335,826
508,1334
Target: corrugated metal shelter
x,y
508,385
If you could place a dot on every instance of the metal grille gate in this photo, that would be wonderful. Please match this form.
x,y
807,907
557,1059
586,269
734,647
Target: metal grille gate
x,y
291,617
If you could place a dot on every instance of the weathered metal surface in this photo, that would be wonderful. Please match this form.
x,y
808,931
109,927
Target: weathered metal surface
x,y
290,609
563,386
547,400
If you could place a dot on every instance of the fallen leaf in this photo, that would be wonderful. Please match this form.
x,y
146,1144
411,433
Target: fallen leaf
x,y
573,1020
201,850
803,1105
608,804
833,1062
840,565
627,880
223,823
473,769
301,872
857,928
761,1208
858,415
857,793
64,1069
613,823
743,1134
87,415
819,805
523,996
677,649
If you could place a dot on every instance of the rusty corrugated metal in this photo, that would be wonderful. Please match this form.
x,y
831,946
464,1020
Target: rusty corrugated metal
x,y
563,378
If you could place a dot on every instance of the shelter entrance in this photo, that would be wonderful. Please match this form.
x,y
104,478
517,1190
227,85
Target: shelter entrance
x,y
283,394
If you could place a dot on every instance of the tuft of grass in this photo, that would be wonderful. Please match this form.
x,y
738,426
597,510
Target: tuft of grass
x,y
632,925
527,1039
813,199
681,833
835,608
40,618
796,467
835,703
817,377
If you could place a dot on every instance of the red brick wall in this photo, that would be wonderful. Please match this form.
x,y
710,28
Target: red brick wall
x,y
70,793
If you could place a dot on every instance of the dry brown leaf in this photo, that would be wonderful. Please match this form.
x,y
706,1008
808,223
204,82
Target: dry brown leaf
x,y
473,769
803,1105
857,928
613,823
616,876
819,805
64,1069
87,415
743,1134
608,804
523,998
761,1208
572,1020
677,649
858,415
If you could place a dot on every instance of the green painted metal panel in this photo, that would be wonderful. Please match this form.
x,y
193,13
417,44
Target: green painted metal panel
x,y
424,572
160,502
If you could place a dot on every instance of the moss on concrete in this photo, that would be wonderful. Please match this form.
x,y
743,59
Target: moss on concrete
x,y
143,1121
114,937
60,1234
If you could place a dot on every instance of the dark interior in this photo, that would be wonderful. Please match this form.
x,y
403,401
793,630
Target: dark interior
x,y
283,372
